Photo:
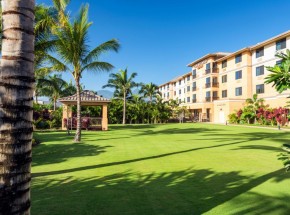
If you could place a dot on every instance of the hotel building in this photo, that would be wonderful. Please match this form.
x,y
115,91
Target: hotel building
x,y
219,83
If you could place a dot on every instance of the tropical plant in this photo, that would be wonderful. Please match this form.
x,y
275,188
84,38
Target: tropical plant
x,y
280,74
16,92
54,87
123,84
72,46
285,157
149,91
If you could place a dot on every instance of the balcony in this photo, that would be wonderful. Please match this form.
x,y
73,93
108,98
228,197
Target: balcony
x,y
215,98
215,84
207,71
193,76
215,70
207,99
193,89
207,85
193,100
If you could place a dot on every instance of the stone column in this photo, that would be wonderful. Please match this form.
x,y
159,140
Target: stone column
x,y
105,117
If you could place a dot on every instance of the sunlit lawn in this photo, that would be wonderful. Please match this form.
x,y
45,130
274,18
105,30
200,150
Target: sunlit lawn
x,y
161,170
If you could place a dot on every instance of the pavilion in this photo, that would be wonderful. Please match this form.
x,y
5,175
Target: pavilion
x,y
88,98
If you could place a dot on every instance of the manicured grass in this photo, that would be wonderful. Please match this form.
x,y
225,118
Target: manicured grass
x,y
161,170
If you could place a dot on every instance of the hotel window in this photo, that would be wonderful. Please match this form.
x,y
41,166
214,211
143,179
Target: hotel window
x,y
194,73
215,95
259,70
188,78
179,82
188,88
238,58
184,90
207,95
224,93
175,93
281,44
239,91
260,52
179,92
224,79
224,63
207,82
194,98
179,101
207,68
193,86
260,88
168,87
167,95
239,74
188,99
279,62
164,95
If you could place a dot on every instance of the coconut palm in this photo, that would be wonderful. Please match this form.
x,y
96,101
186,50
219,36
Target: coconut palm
x,y
16,93
280,74
150,91
76,57
123,85
54,87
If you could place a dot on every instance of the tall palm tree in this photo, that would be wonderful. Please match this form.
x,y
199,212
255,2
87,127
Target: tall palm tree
x,y
123,85
280,74
54,87
16,93
150,91
72,46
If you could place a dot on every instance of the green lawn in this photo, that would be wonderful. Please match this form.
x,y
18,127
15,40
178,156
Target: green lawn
x,y
161,170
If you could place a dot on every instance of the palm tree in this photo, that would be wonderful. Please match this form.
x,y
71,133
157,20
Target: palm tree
x,y
76,57
123,85
16,92
150,91
54,87
280,74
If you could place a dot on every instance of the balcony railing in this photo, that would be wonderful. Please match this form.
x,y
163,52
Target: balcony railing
x,y
193,76
207,71
215,98
208,99
215,70
193,88
193,100
215,84
207,85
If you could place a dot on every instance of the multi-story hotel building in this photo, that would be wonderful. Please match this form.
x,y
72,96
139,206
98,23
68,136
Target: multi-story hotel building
x,y
220,83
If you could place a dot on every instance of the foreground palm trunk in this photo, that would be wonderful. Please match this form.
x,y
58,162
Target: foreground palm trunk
x,y
16,97
79,125
124,108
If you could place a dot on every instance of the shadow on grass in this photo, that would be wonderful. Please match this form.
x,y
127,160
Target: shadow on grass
x,y
174,193
56,153
129,161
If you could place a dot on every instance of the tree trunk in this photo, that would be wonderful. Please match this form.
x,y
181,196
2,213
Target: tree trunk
x,y
124,108
16,100
79,125
54,104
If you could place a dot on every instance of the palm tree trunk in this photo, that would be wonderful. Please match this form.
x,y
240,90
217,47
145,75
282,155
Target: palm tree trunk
x,y
16,93
124,108
54,104
79,125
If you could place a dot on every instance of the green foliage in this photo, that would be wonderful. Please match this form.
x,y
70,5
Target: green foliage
x,y
233,118
285,157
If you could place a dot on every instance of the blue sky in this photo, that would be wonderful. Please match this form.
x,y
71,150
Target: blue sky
x,y
160,37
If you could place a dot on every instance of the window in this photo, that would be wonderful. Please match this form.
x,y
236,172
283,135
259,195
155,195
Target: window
x,y
260,52
179,92
238,58
279,62
188,88
175,93
188,78
188,99
224,79
281,44
193,86
239,91
179,82
167,94
207,66
207,80
215,95
260,88
224,63
168,87
239,74
164,95
259,70
207,94
179,101
184,90
194,98
194,72
224,93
